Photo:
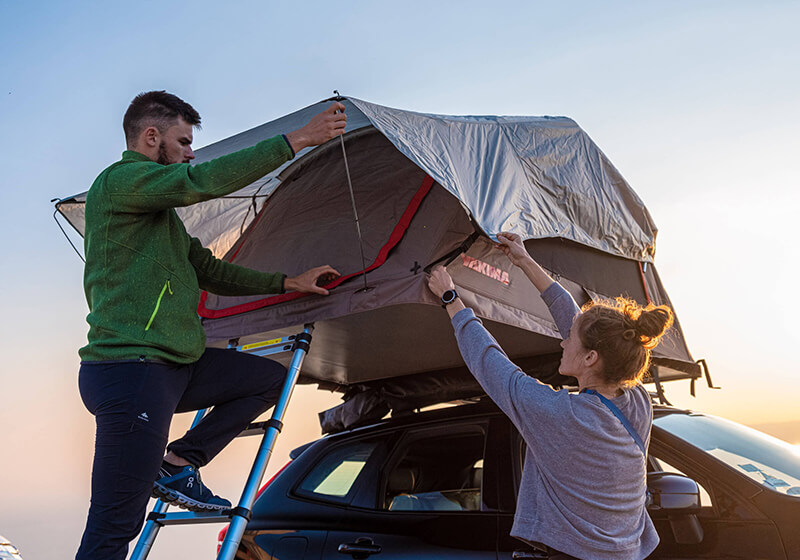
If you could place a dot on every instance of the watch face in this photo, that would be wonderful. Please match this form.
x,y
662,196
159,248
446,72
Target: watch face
x,y
449,296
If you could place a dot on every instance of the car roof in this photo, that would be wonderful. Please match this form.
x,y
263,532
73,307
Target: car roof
x,y
441,412
445,412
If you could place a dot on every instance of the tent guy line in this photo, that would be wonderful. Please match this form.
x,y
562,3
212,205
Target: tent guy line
x,y
55,217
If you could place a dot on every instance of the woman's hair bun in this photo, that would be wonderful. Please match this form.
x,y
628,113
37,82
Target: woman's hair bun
x,y
652,323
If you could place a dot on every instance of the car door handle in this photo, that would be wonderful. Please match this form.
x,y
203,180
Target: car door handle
x,y
362,548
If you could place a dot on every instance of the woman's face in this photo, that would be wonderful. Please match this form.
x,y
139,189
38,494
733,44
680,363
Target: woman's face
x,y
573,359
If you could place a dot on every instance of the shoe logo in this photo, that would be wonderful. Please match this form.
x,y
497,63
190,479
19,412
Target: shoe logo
x,y
144,416
190,482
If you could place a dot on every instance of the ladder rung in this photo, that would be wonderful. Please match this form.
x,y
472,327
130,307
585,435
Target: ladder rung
x,y
254,429
268,347
273,350
191,518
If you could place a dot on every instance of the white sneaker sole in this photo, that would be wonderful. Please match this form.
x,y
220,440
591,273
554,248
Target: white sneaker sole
x,y
174,497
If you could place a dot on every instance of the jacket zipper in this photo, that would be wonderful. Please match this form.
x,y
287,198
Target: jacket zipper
x,y
158,303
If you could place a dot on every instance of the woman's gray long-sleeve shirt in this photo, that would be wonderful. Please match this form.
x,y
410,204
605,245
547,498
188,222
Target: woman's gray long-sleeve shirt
x,y
583,486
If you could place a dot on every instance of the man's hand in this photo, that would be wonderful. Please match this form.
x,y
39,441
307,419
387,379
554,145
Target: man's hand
x,y
321,128
309,280
440,281
511,245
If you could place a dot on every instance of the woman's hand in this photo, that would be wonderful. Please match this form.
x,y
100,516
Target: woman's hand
x,y
440,281
511,245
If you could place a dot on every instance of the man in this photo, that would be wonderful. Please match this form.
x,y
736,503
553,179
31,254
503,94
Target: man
x,y
146,357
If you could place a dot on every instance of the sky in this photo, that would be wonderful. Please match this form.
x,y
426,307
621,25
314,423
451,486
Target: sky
x,y
696,103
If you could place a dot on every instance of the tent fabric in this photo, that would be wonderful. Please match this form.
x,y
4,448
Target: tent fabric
x,y
384,222
539,177
429,189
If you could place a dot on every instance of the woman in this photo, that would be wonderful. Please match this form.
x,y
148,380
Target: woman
x,y
583,487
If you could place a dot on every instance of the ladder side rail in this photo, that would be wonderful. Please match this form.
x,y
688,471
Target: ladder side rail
x,y
241,514
151,528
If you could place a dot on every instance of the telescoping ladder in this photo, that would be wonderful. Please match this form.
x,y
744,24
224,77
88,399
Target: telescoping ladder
x,y
239,515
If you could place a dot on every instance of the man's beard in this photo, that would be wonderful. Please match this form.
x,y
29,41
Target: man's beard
x,y
163,159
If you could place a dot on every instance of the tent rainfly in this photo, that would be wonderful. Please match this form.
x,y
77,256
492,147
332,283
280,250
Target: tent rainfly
x,y
429,189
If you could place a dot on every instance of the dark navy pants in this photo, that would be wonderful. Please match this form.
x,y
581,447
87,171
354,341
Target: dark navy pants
x,y
133,404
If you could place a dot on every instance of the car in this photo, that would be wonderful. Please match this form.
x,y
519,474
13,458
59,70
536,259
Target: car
x,y
442,483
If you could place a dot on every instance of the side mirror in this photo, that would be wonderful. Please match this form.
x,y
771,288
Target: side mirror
x,y
672,493
675,497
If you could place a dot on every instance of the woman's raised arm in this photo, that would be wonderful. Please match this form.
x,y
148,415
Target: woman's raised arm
x,y
511,245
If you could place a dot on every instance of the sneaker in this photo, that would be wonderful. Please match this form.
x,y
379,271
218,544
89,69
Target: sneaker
x,y
186,490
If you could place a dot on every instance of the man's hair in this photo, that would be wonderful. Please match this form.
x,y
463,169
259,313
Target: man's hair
x,y
159,109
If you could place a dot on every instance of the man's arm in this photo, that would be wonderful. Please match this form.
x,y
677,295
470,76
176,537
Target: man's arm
x,y
149,186
226,279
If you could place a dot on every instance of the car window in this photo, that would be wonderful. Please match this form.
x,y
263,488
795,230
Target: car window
x,y
334,476
437,471
767,460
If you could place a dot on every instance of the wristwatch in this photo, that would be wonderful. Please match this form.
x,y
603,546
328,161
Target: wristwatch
x,y
448,297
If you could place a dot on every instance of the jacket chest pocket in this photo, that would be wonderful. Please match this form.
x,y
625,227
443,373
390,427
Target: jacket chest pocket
x,y
167,289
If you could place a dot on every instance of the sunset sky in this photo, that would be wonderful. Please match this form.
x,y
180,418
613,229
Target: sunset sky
x,y
696,103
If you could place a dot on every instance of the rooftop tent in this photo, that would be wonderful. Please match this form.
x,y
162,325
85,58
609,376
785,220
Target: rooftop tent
x,y
429,189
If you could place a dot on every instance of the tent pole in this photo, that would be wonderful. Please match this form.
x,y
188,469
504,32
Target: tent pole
x,y
355,211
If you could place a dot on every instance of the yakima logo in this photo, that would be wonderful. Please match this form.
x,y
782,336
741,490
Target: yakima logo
x,y
485,269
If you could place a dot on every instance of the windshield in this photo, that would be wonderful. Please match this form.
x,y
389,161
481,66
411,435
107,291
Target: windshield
x,y
767,460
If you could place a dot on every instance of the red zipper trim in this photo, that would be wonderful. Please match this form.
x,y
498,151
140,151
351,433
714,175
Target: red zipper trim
x,y
397,234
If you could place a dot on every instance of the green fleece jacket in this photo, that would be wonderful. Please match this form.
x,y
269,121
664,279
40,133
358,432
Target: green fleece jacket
x,y
143,272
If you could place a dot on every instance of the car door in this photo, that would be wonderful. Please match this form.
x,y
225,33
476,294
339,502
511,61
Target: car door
x,y
730,525
433,497
312,494
511,447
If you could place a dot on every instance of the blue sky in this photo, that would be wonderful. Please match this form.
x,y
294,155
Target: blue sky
x,y
694,102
